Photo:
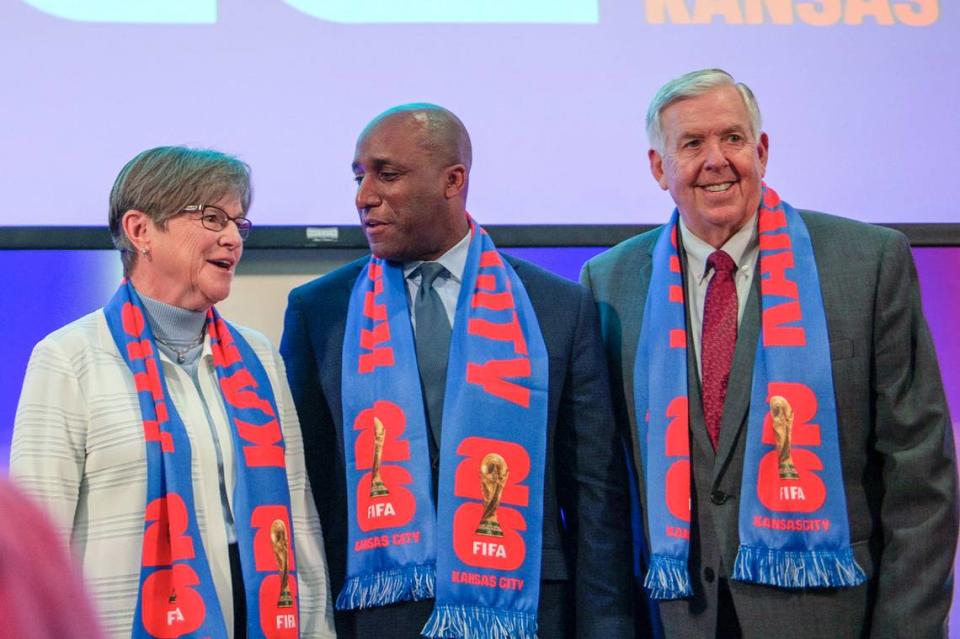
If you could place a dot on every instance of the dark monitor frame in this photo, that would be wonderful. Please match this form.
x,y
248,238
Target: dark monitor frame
x,y
351,237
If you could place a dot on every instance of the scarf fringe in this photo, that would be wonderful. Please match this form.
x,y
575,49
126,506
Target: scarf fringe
x,y
474,622
667,578
798,569
370,590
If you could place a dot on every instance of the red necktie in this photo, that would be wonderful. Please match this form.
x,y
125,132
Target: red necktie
x,y
719,339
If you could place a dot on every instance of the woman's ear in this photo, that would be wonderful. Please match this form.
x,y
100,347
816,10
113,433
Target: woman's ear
x,y
138,227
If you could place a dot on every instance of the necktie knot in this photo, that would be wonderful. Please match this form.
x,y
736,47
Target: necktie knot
x,y
720,262
430,271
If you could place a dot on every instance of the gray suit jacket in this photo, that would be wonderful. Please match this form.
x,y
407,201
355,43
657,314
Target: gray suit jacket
x,y
896,443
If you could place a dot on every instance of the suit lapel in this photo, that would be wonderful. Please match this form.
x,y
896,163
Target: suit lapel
x,y
634,294
740,385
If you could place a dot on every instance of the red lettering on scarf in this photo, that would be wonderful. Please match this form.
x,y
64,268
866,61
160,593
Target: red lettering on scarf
x,y
807,493
170,607
677,443
379,357
225,351
466,482
263,451
501,332
264,555
771,220
506,552
165,541
273,546
491,376
391,504
775,266
376,312
492,301
776,242
775,334
391,510
394,423
678,338
490,258
139,349
674,264
476,543
678,429
378,335
132,319
370,339
150,380
238,392
486,282
278,622
771,200
804,404
804,525
152,433
774,280
677,532
675,293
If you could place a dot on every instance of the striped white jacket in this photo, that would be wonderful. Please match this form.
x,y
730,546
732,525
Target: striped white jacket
x,y
78,448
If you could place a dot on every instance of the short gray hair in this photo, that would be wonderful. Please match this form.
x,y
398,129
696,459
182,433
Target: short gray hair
x,y
163,180
691,85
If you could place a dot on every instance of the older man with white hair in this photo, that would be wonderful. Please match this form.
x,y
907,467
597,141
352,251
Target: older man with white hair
x,y
790,432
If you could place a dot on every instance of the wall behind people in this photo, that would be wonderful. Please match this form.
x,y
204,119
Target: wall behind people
x,y
843,84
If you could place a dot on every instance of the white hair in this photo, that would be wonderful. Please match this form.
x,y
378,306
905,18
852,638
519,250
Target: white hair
x,y
691,85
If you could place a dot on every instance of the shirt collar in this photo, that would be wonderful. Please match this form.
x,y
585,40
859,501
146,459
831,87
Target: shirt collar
x,y
742,247
454,260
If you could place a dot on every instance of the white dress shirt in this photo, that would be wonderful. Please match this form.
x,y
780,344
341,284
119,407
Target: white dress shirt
x,y
447,286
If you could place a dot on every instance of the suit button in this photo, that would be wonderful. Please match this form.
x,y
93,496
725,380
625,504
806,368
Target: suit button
x,y
436,463
719,497
708,574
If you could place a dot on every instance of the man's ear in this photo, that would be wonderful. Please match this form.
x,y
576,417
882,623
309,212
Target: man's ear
x,y
656,168
455,180
138,228
763,152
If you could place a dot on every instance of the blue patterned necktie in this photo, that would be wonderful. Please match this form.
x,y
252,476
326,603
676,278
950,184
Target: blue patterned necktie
x,y
433,344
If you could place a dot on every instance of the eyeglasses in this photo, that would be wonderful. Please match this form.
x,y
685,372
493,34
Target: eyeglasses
x,y
216,219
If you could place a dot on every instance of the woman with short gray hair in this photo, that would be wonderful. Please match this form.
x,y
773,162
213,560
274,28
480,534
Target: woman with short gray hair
x,y
163,439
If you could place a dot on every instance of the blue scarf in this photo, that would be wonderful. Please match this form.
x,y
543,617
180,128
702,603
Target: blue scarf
x,y
479,555
177,597
793,523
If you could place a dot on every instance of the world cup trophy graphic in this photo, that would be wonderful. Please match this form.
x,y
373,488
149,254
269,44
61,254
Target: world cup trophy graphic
x,y
493,478
278,539
377,487
782,414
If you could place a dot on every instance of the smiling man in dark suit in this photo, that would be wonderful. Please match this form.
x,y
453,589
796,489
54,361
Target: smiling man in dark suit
x,y
456,416
791,435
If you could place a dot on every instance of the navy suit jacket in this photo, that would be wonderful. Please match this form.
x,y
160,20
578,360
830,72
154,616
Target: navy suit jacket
x,y
896,443
586,557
